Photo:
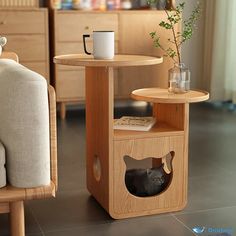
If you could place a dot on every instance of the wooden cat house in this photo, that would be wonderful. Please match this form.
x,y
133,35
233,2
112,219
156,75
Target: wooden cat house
x,y
107,148
168,138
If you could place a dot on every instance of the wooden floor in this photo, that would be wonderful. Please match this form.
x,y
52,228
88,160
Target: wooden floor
x,y
212,189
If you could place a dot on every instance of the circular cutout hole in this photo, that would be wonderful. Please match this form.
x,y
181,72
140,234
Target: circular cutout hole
x,y
97,170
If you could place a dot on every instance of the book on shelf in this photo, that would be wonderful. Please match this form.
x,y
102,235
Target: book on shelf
x,y
135,123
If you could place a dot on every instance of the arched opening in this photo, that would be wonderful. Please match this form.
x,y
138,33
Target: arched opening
x,y
150,176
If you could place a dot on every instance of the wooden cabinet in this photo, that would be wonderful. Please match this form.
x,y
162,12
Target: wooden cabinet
x,y
69,27
132,30
27,34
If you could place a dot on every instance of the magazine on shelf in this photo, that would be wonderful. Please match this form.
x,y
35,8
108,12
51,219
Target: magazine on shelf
x,y
135,123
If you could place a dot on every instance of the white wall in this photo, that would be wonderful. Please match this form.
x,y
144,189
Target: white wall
x,y
192,51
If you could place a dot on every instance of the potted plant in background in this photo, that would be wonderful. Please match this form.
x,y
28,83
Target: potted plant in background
x,y
179,75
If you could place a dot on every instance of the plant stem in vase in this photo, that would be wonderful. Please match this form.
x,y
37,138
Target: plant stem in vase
x,y
179,75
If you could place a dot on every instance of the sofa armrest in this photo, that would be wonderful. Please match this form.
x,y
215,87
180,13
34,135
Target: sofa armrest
x,y
24,125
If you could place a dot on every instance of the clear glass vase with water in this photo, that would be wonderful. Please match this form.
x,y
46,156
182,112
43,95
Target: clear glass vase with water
x,y
179,79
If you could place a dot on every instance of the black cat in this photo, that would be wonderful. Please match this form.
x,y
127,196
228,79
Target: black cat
x,y
146,182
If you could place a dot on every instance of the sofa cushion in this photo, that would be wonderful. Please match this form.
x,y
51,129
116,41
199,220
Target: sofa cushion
x,y
2,166
24,125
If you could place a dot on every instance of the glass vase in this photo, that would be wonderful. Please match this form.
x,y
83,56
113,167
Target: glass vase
x,y
179,79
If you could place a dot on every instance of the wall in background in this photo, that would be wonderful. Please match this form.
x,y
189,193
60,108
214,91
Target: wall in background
x,y
192,51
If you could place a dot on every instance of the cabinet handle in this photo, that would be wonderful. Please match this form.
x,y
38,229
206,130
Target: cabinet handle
x,y
3,22
86,27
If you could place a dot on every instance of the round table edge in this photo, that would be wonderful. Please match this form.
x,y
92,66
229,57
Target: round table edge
x,y
107,63
202,98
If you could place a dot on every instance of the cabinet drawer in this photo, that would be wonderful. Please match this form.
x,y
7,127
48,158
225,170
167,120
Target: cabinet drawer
x,y
71,26
18,22
39,67
70,68
66,72
74,48
70,85
28,47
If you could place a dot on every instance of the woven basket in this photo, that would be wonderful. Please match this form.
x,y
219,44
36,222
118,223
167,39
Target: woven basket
x,y
19,3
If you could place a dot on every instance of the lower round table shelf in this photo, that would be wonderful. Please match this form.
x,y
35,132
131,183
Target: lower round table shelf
x,y
161,95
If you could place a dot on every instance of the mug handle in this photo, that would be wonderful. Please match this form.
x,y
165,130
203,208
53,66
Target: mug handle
x,y
84,39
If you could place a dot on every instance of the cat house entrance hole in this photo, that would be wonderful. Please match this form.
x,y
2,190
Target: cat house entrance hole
x,y
150,176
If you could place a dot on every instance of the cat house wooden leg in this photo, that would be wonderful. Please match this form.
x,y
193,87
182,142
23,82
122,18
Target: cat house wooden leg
x,y
99,133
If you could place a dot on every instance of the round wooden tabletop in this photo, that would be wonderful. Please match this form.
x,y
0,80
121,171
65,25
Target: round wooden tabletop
x,y
160,95
117,61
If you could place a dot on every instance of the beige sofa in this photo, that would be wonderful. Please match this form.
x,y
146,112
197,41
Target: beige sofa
x,y
28,154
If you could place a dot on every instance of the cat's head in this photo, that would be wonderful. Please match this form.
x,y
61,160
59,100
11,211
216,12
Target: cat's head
x,y
156,175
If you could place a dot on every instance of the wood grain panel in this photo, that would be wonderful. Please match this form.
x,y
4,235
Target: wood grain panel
x,y
160,129
70,85
79,24
99,130
17,21
171,114
174,198
28,47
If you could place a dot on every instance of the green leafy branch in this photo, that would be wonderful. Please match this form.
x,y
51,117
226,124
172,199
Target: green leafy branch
x,y
174,16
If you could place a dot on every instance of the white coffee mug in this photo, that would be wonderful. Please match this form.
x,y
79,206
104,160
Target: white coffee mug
x,y
103,44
